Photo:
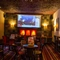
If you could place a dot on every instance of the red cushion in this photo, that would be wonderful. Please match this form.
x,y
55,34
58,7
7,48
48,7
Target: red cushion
x,y
20,52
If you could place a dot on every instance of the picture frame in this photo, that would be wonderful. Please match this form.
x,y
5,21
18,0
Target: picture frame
x,y
57,24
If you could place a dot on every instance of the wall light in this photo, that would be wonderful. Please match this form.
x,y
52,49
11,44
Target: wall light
x,y
12,23
56,26
45,24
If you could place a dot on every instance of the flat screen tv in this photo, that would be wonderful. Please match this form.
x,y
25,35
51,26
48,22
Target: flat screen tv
x,y
29,21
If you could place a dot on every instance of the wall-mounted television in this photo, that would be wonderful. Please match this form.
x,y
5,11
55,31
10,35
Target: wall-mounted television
x,y
29,21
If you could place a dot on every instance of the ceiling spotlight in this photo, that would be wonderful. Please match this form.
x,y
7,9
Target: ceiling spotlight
x,y
31,0
0,6
26,0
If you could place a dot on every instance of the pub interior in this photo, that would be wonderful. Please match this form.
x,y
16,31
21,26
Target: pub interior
x,y
29,30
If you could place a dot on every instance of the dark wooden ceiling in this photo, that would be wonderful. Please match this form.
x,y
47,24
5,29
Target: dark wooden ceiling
x,y
30,6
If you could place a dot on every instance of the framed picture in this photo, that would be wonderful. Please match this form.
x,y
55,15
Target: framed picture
x,y
31,41
57,23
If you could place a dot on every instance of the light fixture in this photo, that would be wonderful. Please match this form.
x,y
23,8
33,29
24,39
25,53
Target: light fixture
x,y
0,6
12,23
44,24
29,0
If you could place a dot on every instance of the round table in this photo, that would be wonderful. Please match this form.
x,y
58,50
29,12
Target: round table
x,y
30,51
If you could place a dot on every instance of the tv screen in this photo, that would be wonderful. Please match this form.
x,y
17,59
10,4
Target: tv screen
x,y
29,21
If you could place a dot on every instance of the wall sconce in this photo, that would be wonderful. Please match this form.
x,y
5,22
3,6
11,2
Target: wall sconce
x,y
45,24
56,26
12,23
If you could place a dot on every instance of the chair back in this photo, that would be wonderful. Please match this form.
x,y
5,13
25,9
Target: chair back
x,y
4,39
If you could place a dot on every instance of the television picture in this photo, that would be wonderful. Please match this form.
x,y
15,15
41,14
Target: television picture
x,y
29,21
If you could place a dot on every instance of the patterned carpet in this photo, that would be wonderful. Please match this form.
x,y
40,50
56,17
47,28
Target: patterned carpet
x,y
49,52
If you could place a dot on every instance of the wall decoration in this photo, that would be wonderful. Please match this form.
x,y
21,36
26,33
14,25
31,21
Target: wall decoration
x,y
27,32
57,24
33,32
22,32
7,28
